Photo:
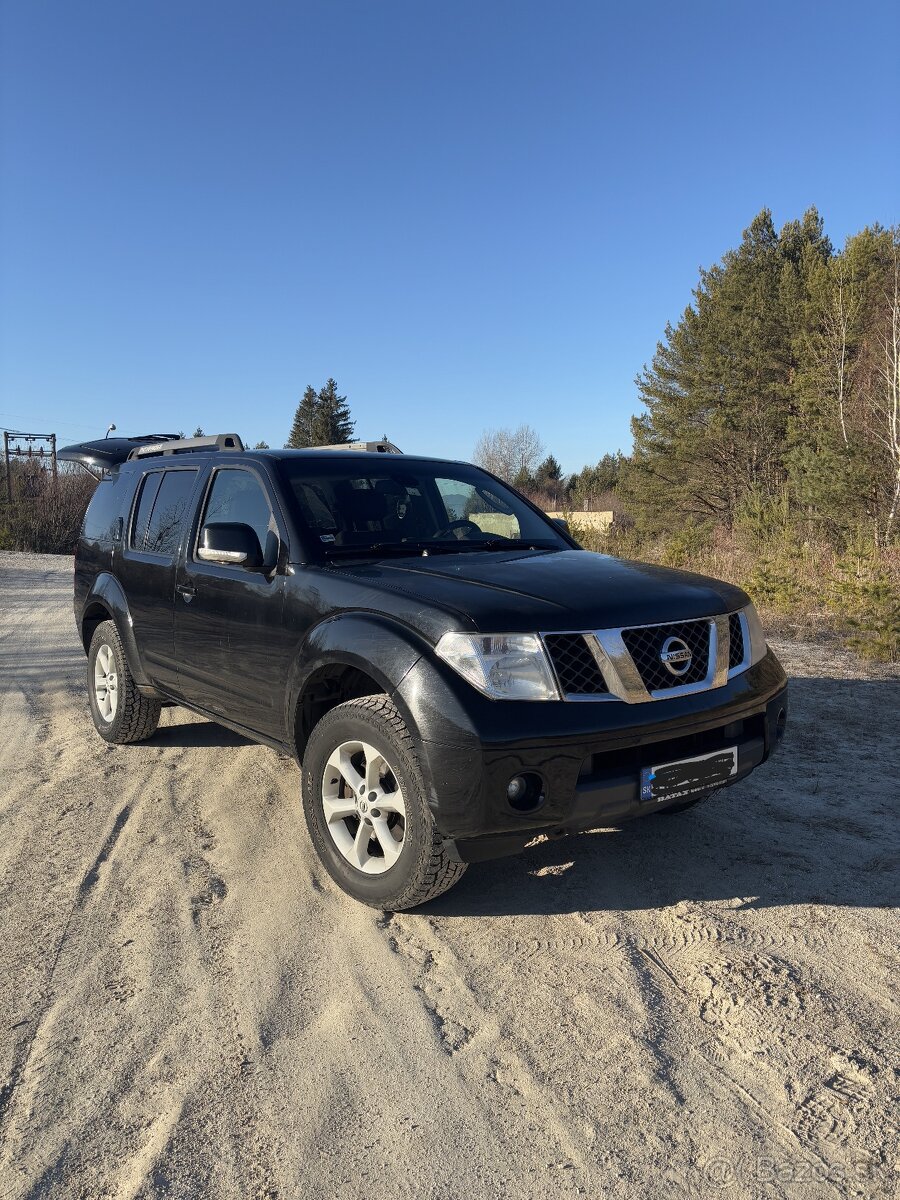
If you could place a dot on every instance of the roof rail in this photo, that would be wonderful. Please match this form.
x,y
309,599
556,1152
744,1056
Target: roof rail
x,y
382,447
221,441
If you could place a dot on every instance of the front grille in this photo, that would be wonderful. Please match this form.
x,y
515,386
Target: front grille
x,y
575,666
645,646
736,650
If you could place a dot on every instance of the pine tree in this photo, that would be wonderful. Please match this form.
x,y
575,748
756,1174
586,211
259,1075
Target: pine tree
x,y
303,429
548,473
322,418
548,479
333,424
720,392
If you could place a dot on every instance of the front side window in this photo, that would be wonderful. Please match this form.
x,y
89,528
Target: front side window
x,y
393,503
236,496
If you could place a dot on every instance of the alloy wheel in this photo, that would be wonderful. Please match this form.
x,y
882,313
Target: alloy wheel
x,y
363,806
106,683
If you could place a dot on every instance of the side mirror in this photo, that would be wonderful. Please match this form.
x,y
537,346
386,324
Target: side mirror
x,y
562,523
231,544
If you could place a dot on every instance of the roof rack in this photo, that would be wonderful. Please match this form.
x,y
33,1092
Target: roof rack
x,y
221,441
382,447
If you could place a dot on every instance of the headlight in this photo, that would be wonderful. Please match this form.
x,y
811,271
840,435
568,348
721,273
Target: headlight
x,y
758,645
504,666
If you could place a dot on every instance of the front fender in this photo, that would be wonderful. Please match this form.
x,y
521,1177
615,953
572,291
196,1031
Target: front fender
x,y
430,698
106,595
379,647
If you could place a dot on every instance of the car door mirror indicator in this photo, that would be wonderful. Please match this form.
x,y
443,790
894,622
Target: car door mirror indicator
x,y
231,544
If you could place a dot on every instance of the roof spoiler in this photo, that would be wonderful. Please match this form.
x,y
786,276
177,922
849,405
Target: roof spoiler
x,y
108,454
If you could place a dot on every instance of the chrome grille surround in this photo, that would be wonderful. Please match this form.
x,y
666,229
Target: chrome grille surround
x,y
623,679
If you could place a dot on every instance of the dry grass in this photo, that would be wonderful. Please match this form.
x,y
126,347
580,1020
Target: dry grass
x,y
803,588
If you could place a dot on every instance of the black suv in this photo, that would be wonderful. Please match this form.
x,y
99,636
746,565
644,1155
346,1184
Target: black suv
x,y
454,674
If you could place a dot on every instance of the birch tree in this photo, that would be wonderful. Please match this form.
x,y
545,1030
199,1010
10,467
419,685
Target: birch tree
x,y
513,454
886,397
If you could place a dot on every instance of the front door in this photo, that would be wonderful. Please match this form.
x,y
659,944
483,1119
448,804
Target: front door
x,y
230,642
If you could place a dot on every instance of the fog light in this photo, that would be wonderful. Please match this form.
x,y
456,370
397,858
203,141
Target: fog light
x,y
516,789
524,793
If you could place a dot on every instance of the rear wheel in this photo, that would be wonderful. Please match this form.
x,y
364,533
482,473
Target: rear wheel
x,y
121,714
364,798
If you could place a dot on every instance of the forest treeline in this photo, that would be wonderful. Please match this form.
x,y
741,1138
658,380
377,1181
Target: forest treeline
x,y
768,448
780,385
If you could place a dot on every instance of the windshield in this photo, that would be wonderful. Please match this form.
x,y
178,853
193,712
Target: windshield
x,y
389,505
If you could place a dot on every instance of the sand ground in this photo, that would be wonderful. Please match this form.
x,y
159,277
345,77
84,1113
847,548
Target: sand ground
x,y
692,1006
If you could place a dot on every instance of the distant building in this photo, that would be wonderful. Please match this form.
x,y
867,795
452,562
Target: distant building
x,y
587,520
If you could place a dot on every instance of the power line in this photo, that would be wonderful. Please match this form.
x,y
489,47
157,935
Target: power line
x,y
52,424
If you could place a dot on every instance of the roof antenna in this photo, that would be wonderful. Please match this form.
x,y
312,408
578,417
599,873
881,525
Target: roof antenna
x,y
110,430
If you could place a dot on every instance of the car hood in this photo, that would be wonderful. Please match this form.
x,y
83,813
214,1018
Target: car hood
x,y
518,591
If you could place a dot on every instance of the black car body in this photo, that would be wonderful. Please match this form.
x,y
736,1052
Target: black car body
x,y
650,666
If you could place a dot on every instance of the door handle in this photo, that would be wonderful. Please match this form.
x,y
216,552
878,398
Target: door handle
x,y
186,593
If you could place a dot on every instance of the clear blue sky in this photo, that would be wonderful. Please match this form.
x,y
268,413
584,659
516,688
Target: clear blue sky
x,y
471,214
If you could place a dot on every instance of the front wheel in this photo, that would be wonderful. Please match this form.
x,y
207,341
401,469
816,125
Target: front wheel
x,y
364,799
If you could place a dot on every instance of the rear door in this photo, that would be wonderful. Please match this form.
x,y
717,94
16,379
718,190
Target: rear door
x,y
158,522
230,641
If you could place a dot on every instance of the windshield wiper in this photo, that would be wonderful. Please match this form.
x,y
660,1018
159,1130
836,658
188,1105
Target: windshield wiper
x,y
502,543
456,546
381,549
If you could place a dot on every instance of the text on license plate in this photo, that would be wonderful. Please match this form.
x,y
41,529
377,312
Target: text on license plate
x,y
689,777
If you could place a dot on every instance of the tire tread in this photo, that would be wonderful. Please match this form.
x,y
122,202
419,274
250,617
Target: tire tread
x,y
439,872
139,714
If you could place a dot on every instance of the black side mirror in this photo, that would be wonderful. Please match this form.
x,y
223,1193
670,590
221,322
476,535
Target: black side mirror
x,y
562,523
232,544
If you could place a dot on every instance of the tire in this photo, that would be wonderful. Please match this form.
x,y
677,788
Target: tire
x,y
361,772
119,711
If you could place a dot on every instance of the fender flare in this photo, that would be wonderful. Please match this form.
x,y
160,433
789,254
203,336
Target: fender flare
x,y
384,649
429,700
107,595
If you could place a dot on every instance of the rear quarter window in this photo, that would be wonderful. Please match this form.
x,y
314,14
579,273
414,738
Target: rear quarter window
x,y
108,503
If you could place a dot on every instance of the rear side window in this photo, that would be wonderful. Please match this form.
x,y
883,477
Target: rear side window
x,y
161,509
149,488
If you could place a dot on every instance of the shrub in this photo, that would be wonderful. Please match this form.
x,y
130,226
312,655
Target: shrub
x,y
801,586
866,594
47,523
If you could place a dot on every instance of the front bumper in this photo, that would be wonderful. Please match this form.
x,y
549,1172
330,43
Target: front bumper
x,y
588,756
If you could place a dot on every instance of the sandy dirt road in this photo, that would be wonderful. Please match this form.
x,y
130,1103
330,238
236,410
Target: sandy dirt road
x,y
692,1006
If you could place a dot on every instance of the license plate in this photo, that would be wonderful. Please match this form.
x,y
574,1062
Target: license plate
x,y
689,777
